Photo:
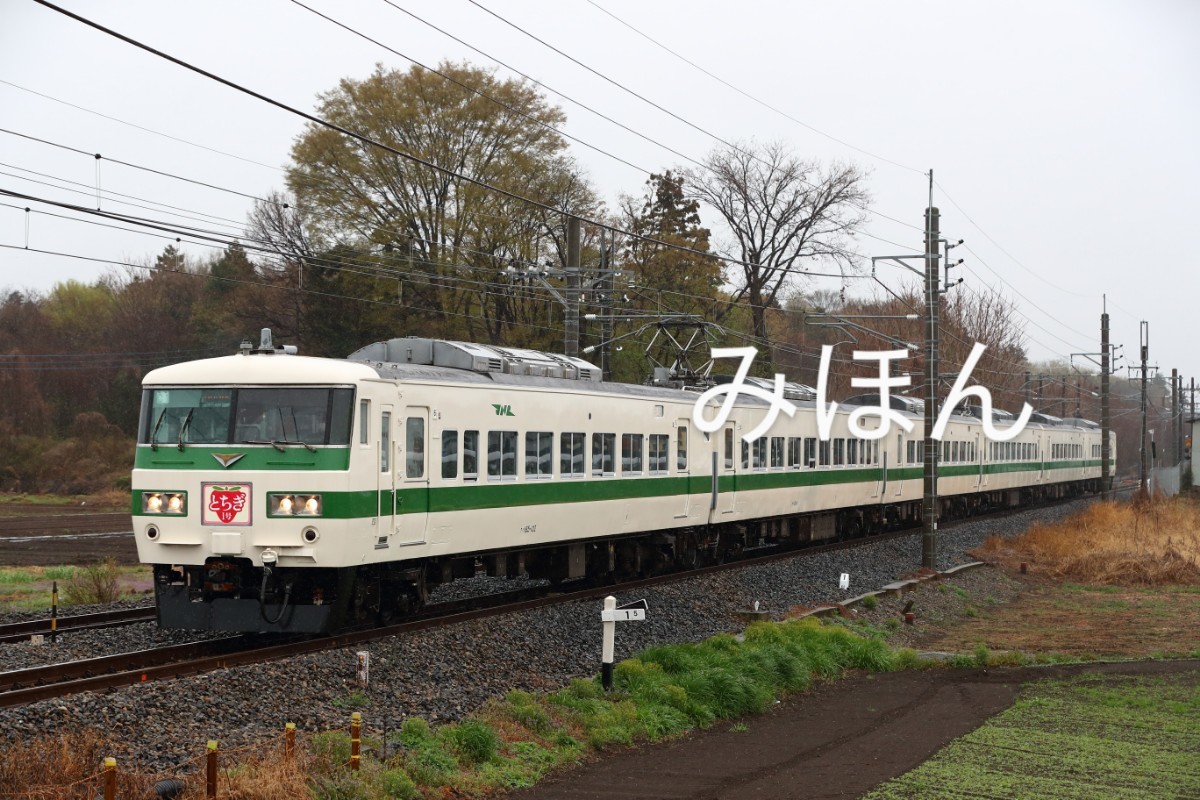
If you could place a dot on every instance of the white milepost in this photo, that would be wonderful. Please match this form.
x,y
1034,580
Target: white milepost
x,y
610,630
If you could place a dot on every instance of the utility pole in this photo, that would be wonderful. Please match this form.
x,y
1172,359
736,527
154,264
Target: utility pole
x,y
1177,427
1105,410
609,289
571,323
929,509
1143,468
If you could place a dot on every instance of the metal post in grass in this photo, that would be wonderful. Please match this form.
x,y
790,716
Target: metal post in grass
x,y
609,642
110,778
355,740
54,611
210,775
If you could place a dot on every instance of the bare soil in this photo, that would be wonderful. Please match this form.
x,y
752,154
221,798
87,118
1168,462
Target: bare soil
x,y
45,536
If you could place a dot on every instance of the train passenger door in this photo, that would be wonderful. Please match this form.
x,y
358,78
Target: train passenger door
x,y
385,480
979,444
728,463
683,468
412,495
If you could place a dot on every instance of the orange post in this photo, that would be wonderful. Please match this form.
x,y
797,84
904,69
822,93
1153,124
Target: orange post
x,y
355,740
289,741
210,780
110,779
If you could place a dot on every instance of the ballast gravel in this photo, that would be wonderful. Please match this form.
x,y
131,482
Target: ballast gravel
x,y
446,673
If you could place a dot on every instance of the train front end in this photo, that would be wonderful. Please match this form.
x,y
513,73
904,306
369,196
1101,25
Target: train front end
x,y
241,491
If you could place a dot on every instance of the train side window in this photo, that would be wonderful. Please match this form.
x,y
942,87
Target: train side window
x,y
603,453
449,454
810,452
502,455
852,452
385,441
470,455
571,455
631,453
681,448
414,447
364,421
823,449
745,454
839,452
659,446
760,453
539,454
954,451
794,446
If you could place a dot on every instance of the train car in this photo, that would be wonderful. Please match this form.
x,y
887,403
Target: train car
x,y
277,492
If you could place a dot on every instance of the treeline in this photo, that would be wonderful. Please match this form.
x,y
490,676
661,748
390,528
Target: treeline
x,y
365,244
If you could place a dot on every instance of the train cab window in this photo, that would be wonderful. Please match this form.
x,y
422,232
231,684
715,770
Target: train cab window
x,y
364,421
385,441
414,447
449,454
571,455
839,452
539,455
658,452
502,455
810,451
470,447
604,446
631,454
823,450
681,448
728,449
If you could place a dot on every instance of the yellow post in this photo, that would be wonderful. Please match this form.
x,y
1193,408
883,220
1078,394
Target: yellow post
x,y
289,741
211,773
355,739
54,611
110,779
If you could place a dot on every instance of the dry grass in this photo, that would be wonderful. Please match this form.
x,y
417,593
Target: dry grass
x,y
1152,543
66,767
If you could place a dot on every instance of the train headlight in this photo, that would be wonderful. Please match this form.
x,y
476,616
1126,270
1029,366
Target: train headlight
x,y
164,503
294,505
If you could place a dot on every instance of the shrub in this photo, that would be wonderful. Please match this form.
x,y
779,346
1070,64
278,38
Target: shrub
x,y
396,783
475,741
870,602
94,583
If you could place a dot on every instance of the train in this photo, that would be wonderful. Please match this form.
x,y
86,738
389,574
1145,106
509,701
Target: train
x,y
281,493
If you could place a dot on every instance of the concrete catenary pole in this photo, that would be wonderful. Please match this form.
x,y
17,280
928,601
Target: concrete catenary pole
x,y
929,506
1105,409
571,324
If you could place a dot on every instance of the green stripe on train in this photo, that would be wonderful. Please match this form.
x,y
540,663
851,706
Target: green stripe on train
x,y
509,494
254,458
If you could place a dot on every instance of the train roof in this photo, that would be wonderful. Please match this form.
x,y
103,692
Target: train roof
x,y
259,368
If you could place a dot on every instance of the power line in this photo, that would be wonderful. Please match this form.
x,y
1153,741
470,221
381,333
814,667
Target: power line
x,y
752,97
358,136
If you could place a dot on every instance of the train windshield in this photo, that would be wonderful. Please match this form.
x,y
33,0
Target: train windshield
x,y
223,415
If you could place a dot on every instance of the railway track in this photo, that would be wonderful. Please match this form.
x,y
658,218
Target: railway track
x,y
20,631
19,687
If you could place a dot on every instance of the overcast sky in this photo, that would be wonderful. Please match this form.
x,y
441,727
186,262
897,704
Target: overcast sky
x,y
1064,136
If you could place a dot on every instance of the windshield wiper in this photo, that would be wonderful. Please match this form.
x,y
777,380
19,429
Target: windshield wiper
x,y
154,434
183,427
277,445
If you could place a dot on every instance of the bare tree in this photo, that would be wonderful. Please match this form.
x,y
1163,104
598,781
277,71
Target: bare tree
x,y
782,213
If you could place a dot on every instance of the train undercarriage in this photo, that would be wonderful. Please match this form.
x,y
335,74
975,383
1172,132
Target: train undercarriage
x,y
232,594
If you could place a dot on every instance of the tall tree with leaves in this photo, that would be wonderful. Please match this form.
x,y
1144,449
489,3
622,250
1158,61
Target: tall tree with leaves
x,y
442,236
668,256
784,215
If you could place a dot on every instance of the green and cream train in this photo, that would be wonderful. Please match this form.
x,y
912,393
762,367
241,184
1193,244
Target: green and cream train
x,y
276,492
